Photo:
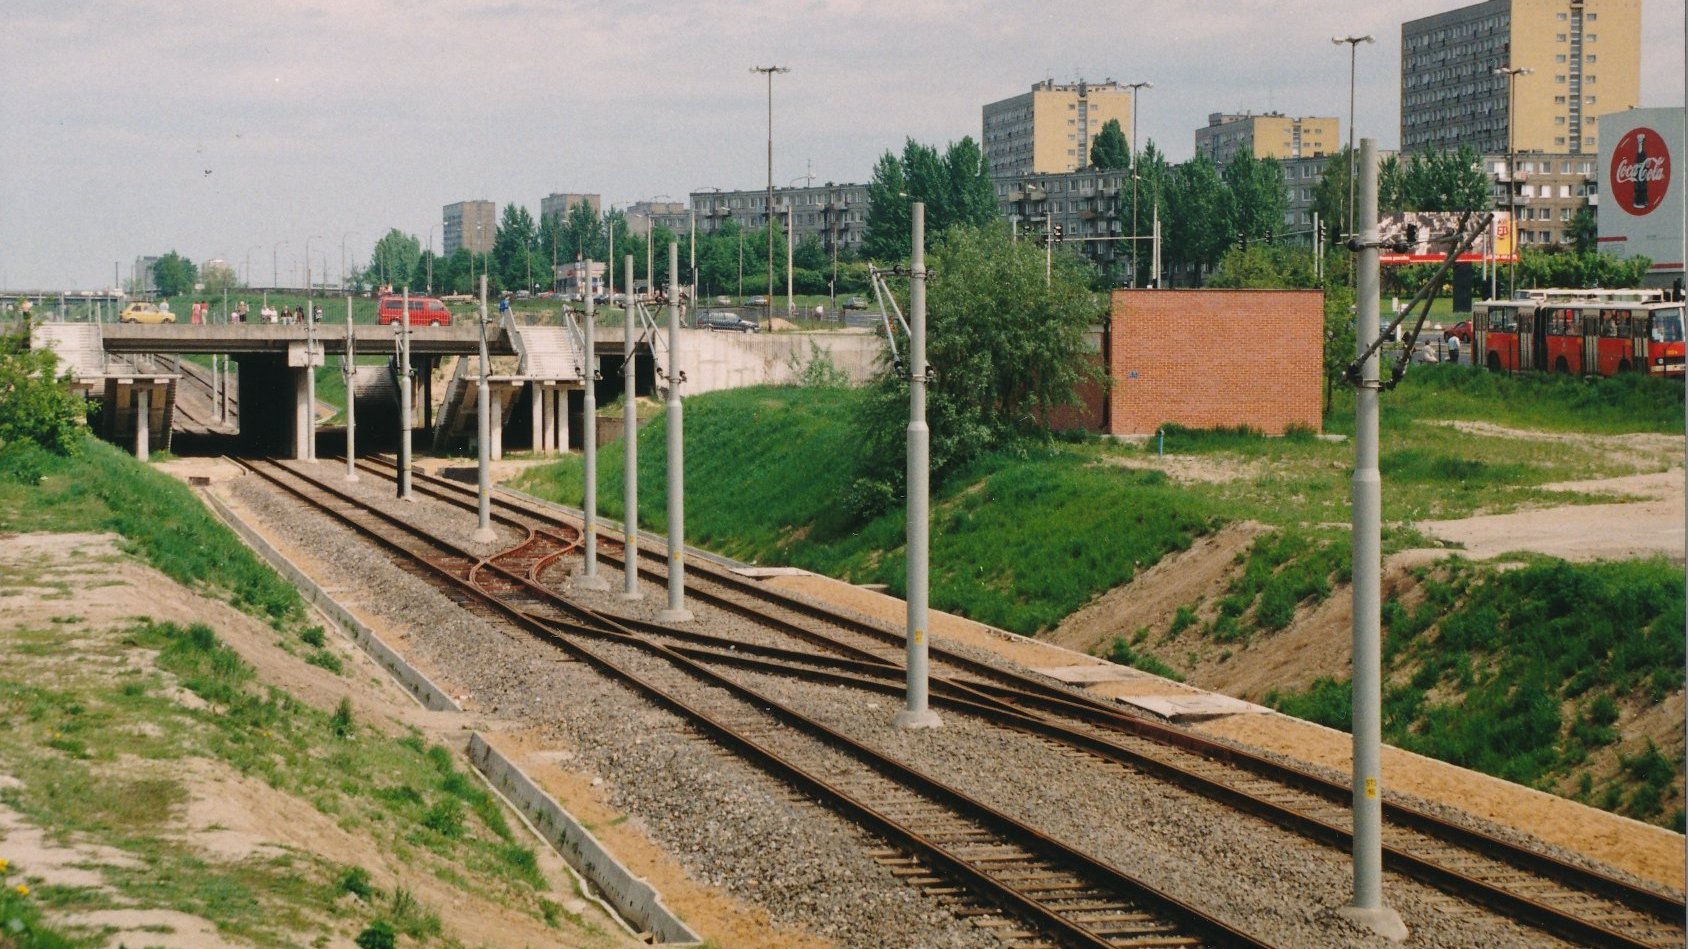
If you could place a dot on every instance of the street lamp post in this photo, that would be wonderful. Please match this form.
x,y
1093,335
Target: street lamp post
x,y
1511,73
275,269
769,216
249,251
1134,87
1353,45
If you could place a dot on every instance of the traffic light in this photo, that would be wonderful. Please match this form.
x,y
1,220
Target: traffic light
x,y
1319,237
1060,233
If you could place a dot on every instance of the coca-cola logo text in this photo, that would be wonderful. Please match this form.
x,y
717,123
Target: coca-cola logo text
x,y
1640,172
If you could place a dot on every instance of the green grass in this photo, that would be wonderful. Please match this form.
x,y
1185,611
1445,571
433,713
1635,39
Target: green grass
x,y
160,520
412,797
1523,673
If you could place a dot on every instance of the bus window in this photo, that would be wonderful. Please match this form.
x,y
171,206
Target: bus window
x,y
1667,326
1563,323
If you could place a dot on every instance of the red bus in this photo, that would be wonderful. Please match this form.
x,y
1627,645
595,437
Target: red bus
x,y
1580,332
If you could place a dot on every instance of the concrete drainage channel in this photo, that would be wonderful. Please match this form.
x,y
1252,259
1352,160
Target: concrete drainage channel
x,y
627,896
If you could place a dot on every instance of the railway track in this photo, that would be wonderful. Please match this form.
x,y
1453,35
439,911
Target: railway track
x,y
1533,887
952,844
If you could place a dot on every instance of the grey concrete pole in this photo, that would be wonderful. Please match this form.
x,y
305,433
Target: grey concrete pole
x,y
676,611
310,372
790,297
630,442
916,714
1368,908
143,422
589,579
404,400
484,534
349,373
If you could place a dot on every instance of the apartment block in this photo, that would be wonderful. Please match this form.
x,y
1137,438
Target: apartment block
x,y
834,214
1270,135
1583,57
1091,208
1049,129
1551,189
556,205
470,224
643,216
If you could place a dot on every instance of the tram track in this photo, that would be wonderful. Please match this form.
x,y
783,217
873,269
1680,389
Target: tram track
x,y
1536,888
1065,895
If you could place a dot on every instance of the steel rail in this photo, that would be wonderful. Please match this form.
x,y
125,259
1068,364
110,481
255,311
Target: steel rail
x,y
569,634
1001,700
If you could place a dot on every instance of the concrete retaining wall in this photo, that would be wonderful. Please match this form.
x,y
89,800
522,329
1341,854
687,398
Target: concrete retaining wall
x,y
634,899
720,360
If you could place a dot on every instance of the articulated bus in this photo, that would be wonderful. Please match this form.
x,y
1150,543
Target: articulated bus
x,y
1582,332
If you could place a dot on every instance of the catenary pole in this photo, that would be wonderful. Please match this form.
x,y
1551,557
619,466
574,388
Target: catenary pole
x,y
1368,908
405,410
916,713
589,579
675,424
484,534
630,444
348,372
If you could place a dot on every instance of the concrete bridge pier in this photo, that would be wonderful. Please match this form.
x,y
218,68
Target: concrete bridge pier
x,y
143,422
264,382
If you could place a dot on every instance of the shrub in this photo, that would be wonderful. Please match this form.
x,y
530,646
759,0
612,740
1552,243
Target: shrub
x,y
377,935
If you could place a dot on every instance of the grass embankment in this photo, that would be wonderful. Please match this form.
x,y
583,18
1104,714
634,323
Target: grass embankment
x,y
102,749
1020,540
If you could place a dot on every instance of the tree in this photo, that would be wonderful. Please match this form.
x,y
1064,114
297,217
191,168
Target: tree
x,y
971,195
1258,196
888,225
1197,228
1110,151
219,278
1582,232
35,406
1559,267
513,245
174,275
1152,176
1005,348
1445,181
393,261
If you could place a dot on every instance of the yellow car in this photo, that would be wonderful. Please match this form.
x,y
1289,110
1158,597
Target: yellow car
x,y
146,313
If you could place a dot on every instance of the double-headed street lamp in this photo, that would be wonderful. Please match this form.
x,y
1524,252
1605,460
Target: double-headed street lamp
x,y
1353,45
1511,73
1134,87
769,72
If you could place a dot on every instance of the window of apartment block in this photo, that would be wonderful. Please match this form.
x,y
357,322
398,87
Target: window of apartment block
x,y
1591,37
1589,79
1560,16
1558,139
1591,17
1559,78
1559,37
1558,100
1588,140
1590,58
1559,120
1558,57
1589,100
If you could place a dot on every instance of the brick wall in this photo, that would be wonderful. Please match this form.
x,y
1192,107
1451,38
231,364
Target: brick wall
x,y
1216,359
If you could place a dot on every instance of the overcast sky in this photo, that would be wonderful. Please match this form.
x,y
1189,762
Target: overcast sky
x,y
220,128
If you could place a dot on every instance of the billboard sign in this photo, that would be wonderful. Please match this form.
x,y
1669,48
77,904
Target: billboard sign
x,y
1426,237
1640,202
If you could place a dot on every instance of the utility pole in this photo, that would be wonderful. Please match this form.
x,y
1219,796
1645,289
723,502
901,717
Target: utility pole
x,y
630,442
1353,46
916,713
484,533
790,227
1511,73
769,72
348,372
675,423
1048,245
1134,86
405,411
1368,908
589,579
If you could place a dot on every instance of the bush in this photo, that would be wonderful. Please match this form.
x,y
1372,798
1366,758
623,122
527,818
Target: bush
x,y
35,407
377,935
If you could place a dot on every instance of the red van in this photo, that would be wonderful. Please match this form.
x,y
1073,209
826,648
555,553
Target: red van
x,y
424,311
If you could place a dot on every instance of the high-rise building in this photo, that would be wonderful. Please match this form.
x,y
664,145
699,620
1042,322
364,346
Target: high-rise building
x,y
834,214
1584,58
1049,129
470,224
642,216
557,205
1272,135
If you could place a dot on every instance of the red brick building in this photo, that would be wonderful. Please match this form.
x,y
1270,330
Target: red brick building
x,y
1209,359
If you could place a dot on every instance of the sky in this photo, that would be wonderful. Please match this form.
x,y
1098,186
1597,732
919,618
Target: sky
x,y
250,131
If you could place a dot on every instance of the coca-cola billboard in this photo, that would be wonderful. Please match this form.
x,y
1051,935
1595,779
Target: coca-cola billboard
x,y
1639,171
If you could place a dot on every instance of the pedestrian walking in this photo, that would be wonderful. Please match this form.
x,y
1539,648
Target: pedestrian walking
x,y
1453,350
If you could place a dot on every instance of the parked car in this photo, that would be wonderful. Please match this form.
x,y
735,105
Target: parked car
x,y
424,311
724,301
855,303
1460,331
143,312
758,300
723,320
